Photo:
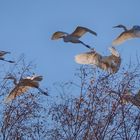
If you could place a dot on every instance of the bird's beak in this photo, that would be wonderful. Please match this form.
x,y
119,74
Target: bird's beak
x,y
115,26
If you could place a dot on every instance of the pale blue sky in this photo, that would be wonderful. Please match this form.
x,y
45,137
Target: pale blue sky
x,y
26,27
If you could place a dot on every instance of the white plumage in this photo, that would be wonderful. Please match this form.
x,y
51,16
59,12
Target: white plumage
x,y
23,85
134,32
74,36
109,63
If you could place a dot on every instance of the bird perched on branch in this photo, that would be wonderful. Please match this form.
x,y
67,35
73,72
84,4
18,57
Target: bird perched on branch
x,y
134,32
74,36
2,53
23,85
109,63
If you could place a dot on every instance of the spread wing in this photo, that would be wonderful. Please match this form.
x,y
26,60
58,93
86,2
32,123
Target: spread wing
x,y
80,31
29,83
114,52
108,63
123,37
17,91
111,63
58,35
91,58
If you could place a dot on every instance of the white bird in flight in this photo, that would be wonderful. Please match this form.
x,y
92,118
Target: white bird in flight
x,y
109,63
23,85
74,36
134,32
2,53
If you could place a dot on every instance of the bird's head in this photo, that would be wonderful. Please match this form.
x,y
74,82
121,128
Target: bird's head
x,y
136,27
11,77
114,52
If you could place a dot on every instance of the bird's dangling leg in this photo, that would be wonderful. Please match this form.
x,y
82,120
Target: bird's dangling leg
x,y
43,92
7,60
87,46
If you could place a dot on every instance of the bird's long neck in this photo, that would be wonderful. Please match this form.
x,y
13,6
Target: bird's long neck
x,y
14,81
124,27
121,26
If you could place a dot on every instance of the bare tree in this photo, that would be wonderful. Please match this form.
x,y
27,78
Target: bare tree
x,y
25,116
92,108
99,112
21,119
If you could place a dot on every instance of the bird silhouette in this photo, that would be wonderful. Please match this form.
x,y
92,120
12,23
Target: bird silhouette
x,y
134,32
74,36
109,63
23,85
2,53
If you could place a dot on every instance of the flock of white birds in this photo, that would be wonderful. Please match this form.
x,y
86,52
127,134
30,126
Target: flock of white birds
x,y
109,63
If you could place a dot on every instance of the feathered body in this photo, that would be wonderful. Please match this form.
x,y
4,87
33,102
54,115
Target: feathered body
x,y
23,86
74,36
109,63
134,32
